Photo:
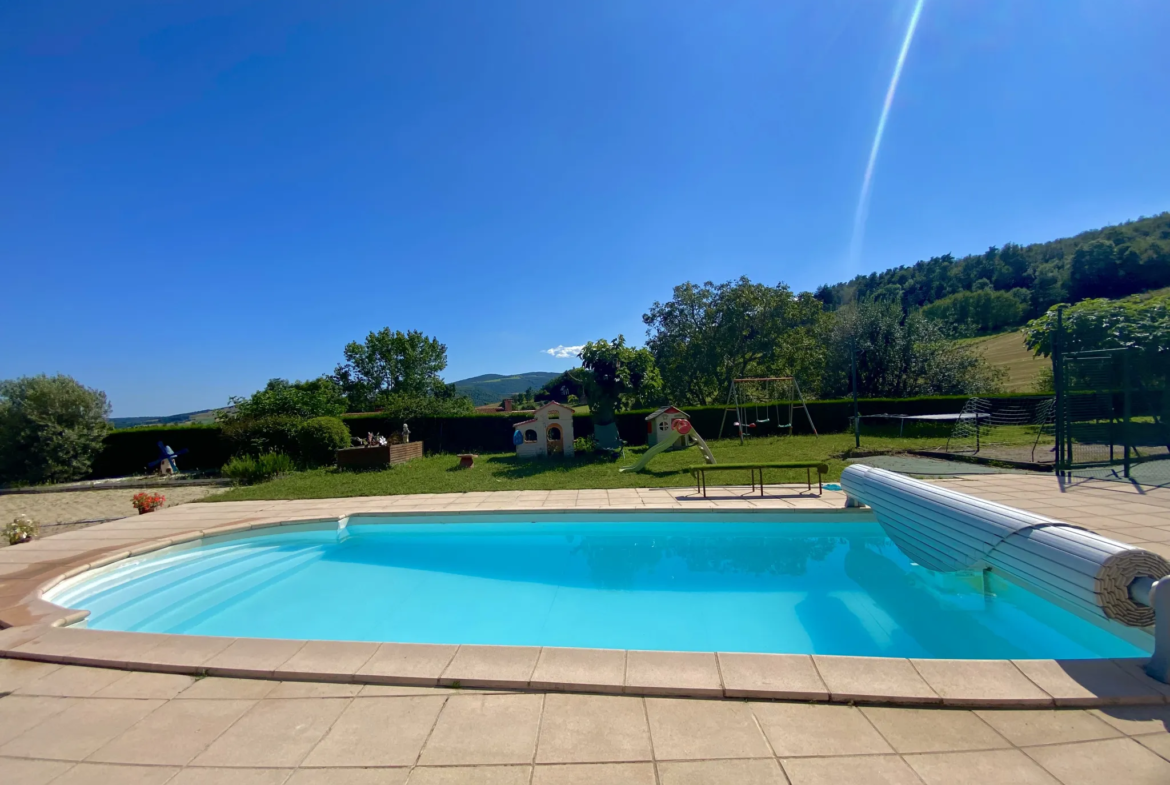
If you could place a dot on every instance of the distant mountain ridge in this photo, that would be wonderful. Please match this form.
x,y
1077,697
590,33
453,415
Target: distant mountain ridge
x,y
492,387
203,416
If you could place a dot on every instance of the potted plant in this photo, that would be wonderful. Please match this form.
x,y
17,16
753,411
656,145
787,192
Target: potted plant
x,y
22,529
147,502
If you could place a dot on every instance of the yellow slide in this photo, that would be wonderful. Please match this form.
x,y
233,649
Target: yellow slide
x,y
665,445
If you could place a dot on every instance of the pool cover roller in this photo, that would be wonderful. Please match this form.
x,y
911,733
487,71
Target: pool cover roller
x,y
946,531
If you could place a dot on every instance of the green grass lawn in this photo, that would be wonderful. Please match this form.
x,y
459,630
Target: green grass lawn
x,y
504,471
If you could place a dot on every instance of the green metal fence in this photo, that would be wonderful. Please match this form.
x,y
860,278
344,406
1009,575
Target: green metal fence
x,y
1112,420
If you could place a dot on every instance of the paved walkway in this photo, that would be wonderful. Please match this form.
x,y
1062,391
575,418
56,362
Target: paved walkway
x,y
70,506
67,724
71,725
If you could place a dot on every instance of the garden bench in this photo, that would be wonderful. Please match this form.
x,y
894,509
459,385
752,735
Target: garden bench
x,y
700,472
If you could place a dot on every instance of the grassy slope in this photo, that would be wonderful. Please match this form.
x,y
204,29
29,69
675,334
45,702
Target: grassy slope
x,y
1007,351
499,472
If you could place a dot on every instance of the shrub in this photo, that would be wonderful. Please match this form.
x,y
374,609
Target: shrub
x,y
51,427
22,529
320,438
583,445
257,436
248,470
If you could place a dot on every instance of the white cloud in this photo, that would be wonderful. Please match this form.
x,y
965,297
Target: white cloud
x,y
563,352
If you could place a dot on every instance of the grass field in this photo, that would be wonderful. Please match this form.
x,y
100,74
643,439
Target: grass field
x,y
1007,351
504,471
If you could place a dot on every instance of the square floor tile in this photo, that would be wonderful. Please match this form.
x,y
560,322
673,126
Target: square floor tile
x,y
799,729
14,674
592,729
378,732
174,734
213,688
695,729
590,773
348,776
852,770
106,773
471,775
274,733
479,729
19,713
80,730
15,771
160,686
933,730
72,682
1026,727
721,772
214,776
1136,720
979,768
1103,763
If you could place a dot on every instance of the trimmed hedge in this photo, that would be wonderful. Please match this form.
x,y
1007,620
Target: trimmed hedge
x,y
128,451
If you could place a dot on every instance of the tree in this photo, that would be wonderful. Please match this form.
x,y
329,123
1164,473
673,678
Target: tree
x,y
1138,323
391,363
900,355
705,336
321,397
619,376
51,427
979,311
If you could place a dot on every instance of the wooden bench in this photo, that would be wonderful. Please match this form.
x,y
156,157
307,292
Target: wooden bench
x,y
700,472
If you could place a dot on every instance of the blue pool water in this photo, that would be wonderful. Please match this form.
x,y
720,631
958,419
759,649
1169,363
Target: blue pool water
x,y
823,586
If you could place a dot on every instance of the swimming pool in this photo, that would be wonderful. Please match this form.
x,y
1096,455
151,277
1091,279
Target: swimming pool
x,y
817,584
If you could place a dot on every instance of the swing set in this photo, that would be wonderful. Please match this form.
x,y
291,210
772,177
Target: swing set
x,y
760,403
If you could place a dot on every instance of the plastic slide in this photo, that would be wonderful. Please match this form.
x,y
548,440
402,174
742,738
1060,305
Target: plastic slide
x,y
682,430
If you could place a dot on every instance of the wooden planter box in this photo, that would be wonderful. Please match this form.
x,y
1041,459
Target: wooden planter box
x,y
378,455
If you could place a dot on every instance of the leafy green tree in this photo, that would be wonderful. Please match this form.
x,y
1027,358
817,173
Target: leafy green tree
x,y
980,311
51,427
560,387
900,355
391,363
619,376
320,397
1138,323
705,336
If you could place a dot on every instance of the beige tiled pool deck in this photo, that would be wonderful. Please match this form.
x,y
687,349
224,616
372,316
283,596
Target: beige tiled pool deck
x,y
163,708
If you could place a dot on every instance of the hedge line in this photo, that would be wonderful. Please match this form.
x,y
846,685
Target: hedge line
x,y
128,451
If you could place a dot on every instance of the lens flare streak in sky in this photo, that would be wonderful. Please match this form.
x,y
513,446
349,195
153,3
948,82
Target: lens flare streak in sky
x,y
863,200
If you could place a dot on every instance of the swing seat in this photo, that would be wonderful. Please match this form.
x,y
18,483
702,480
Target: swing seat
x,y
765,419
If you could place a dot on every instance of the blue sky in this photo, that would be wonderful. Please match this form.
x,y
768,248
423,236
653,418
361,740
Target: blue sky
x,y
198,196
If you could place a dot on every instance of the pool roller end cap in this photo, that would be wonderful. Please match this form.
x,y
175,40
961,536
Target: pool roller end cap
x,y
1156,594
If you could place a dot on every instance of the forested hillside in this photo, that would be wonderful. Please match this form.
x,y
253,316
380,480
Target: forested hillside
x,y
1006,286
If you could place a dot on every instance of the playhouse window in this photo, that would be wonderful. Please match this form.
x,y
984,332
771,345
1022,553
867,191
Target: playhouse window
x,y
553,414
554,434
530,435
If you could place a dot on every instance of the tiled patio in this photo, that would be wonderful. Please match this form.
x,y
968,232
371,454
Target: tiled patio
x,y
68,724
